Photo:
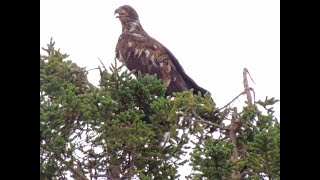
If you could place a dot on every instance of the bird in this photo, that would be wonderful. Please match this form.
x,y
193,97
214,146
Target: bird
x,y
140,52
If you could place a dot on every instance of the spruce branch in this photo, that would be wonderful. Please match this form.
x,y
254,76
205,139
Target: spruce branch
x,y
77,171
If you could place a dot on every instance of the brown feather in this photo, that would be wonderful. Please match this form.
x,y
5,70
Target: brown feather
x,y
137,50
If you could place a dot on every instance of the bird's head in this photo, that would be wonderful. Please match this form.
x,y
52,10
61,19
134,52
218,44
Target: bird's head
x,y
126,14
129,19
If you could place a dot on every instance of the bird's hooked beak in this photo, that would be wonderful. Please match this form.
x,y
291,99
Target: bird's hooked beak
x,y
116,15
119,13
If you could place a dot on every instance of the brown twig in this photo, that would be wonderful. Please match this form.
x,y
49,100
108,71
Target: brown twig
x,y
92,69
250,76
102,63
206,122
101,72
254,95
231,101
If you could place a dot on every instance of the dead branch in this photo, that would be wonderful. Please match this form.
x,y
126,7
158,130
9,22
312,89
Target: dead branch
x,y
234,128
254,96
92,69
199,119
102,64
246,87
250,76
231,101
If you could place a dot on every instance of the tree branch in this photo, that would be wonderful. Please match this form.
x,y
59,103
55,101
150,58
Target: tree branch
x,y
102,64
231,101
92,69
74,171
206,122
234,127
254,96
246,86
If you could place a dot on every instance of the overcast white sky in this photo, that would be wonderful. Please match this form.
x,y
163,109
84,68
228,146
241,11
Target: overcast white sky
x,y
213,40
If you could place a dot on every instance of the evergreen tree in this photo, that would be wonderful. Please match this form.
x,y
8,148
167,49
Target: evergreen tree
x,y
116,130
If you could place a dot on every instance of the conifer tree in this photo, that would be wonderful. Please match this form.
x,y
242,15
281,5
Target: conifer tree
x,y
116,130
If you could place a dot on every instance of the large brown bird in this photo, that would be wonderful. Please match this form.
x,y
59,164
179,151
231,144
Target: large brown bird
x,y
139,51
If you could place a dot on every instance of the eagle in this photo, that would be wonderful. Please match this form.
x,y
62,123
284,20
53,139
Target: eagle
x,y
139,51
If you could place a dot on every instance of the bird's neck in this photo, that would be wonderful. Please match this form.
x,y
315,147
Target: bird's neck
x,y
132,27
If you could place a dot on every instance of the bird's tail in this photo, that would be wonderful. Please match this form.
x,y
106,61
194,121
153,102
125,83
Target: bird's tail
x,y
192,84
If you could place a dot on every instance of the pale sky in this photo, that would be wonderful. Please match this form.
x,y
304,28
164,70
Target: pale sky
x,y
213,40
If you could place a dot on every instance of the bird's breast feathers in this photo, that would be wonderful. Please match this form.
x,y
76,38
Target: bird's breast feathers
x,y
143,53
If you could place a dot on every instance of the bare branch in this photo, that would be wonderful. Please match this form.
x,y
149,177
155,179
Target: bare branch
x,y
246,87
206,122
102,64
222,138
92,69
231,101
250,76
254,95
234,127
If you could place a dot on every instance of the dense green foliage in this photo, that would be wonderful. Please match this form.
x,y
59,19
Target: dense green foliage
x,y
258,146
115,130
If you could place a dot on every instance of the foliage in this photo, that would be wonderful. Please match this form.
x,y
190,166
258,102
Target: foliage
x,y
212,160
116,130
258,148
